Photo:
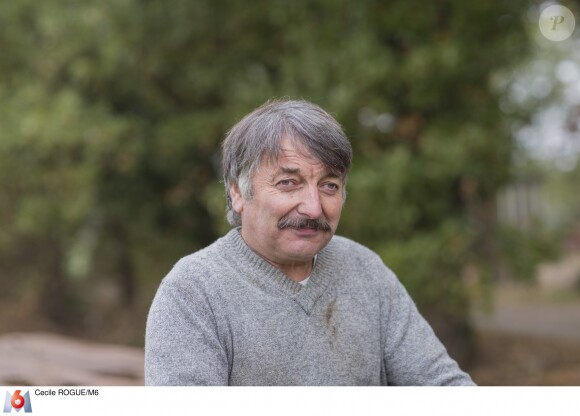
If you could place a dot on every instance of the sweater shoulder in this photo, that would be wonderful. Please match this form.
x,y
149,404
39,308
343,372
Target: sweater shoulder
x,y
350,249
197,267
361,260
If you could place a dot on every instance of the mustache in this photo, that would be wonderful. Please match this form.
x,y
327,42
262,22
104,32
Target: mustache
x,y
320,224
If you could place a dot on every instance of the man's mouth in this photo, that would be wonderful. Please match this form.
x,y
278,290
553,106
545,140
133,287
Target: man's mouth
x,y
298,223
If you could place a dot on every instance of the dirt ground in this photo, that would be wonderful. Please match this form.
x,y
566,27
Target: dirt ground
x,y
532,334
47,359
504,359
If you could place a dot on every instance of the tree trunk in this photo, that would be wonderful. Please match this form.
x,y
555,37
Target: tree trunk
x,y
123,261
56,300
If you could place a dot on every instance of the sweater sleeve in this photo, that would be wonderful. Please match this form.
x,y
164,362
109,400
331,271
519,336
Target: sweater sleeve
x,y
413,354
182,345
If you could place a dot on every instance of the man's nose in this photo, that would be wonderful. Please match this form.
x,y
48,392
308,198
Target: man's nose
x,y
310,204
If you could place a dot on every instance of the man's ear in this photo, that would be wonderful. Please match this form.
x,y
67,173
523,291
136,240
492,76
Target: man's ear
x,y
237,198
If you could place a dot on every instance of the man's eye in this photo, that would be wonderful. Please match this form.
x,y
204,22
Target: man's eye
x,y
332,186
285,182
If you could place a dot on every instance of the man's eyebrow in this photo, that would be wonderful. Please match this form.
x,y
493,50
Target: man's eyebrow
x,y
333,174
284,170
330,173
288,170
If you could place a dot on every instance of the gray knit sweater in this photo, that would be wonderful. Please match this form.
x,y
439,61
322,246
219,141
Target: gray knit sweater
x,y
225,316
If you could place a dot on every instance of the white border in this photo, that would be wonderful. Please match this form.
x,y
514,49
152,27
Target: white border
x,y
304,401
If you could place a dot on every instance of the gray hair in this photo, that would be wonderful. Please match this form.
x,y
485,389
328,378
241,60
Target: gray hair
x,y
259,134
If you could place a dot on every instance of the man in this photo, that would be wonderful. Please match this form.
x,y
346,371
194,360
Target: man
x,y
280,300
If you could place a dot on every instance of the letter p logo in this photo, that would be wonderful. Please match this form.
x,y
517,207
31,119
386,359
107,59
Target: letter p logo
x,y
17,402
558,20
557,23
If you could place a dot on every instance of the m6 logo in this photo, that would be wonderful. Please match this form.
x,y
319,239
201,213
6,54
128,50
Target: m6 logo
x,y
17,402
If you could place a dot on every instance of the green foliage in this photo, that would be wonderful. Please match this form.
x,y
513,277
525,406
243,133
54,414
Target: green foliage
x,y
112,112
521,252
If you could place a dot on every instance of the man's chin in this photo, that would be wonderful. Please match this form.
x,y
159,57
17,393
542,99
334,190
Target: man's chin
x,y
305,247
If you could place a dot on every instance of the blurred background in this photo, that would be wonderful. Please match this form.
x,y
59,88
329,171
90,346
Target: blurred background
x,y
465,124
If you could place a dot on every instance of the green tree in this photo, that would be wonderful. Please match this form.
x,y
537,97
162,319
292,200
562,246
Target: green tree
x,y
112,113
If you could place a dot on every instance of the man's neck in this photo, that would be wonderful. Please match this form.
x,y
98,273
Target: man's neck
x,y
296,272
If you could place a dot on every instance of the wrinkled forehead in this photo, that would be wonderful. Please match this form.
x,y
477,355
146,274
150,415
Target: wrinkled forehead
x,y
292,150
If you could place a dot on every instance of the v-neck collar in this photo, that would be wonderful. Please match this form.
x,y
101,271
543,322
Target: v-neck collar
x,y
259,269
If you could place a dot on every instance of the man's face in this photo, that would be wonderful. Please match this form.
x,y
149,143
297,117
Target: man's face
x,y
295,187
